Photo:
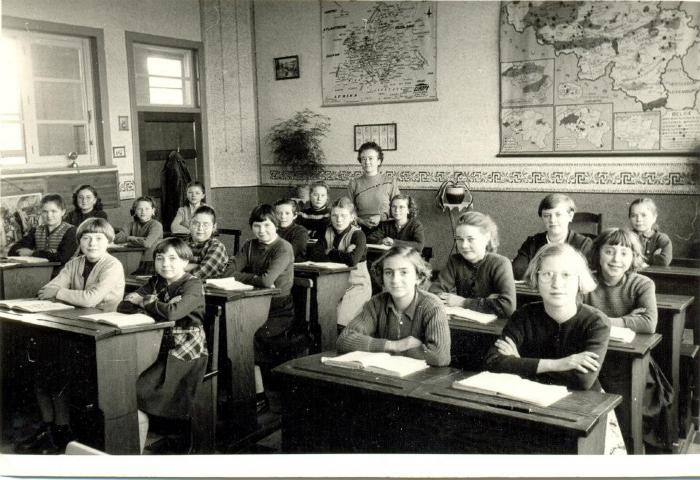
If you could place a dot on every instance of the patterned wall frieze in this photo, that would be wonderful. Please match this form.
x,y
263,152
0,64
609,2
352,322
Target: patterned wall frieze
x,y
663,178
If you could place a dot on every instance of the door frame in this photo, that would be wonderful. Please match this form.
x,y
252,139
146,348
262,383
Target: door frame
x,y
174,117
199,93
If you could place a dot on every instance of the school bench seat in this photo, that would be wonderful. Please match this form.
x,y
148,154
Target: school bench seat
x,y
231,238
203,415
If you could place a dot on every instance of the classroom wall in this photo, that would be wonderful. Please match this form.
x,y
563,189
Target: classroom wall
x,y
459,132
179,19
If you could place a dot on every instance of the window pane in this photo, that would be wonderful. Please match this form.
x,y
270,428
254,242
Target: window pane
x,y
165,96
11,137
59,101
165,82
54,61
9,80
61,139
165,67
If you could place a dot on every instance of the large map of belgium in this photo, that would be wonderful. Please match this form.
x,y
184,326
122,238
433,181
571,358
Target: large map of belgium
x,y
600,77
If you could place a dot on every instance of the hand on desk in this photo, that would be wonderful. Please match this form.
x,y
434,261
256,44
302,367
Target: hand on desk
x,y
388,241
48,292
451,300
398,346
25,252
506,346
583,362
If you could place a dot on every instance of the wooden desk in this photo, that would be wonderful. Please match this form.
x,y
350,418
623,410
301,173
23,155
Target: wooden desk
x,y
23,280
672,310
329,286
634,358
243,314
106,363
330,409
128,255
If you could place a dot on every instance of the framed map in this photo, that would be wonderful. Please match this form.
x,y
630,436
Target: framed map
x,y
378,52
599,78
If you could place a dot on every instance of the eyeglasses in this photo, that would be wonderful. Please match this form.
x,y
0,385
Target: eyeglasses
x,y
548,275
204,225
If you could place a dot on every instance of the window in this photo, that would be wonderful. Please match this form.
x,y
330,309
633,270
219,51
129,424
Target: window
x,y
164,76
47,106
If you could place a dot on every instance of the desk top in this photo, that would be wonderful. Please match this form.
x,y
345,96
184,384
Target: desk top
x,y
10,264
579,411
311,270
311,367
672,270
665,301
125,247
213,292
639,346
69,321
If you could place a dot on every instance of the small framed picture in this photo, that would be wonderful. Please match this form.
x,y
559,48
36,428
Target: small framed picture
x,y
383,134
287,67
119,152
123,122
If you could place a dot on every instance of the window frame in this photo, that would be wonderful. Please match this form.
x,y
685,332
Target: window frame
x,y
98,74
198,93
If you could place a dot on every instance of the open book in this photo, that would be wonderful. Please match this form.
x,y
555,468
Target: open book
x,y
228,283
326,265
27,259
471,314
33,305
511,386
120,320
622,334
377,362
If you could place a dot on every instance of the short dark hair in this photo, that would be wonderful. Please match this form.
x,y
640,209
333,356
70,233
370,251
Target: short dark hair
x,y
179,245
96,225
98,202
618,236
53,198
554,199
423,269
263,212
412,204
142,198
207,210
288,201
371,146
199,184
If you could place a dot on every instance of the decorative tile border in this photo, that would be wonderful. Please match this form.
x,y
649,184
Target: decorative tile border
x,y
641,178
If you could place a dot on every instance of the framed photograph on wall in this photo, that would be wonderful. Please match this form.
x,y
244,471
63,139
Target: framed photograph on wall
x,y
287,67
123,123
383,134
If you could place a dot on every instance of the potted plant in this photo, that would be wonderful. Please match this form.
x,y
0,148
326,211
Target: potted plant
x,y
296,143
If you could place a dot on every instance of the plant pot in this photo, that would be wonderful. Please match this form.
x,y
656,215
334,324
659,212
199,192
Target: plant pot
x,y
454,195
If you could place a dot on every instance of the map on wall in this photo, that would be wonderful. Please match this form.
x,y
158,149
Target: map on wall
x,y
600,77
378,52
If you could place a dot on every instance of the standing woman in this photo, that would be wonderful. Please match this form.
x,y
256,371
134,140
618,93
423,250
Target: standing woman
x,y
372,192
87,203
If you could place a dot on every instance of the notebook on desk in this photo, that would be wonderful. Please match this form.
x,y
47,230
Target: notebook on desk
x,y
325,265
27,259
508,385
120,320
622,334
33,305
479,317
377,362
229,284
